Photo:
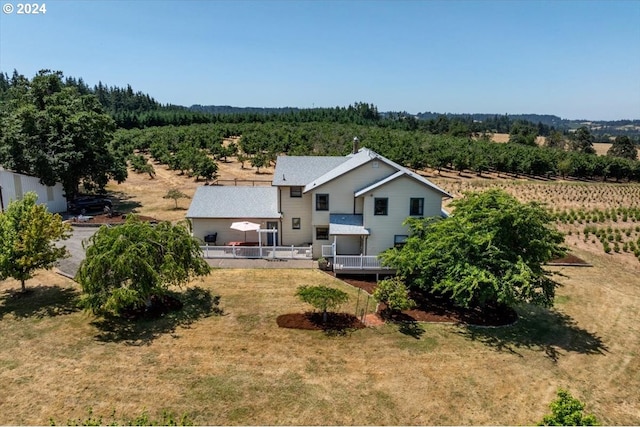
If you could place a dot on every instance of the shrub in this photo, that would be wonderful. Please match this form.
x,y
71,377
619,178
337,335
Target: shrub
x,y
566,410
394,294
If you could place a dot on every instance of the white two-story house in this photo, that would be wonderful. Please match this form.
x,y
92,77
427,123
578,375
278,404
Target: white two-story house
x,y
355,205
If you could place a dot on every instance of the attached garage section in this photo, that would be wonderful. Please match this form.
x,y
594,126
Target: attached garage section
x,y
214,208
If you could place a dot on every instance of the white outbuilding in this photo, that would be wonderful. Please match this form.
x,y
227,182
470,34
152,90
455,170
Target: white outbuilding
x,y
14,185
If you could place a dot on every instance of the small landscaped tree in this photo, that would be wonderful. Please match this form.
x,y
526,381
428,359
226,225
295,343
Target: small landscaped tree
x,y
394,294
566,410
129,264
322,298
491,251
28,233
175,194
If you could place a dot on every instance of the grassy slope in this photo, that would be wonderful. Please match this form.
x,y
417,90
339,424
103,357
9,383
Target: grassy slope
x,y
240,368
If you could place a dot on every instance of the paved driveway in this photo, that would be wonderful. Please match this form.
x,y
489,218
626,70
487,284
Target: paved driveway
x,y
69,266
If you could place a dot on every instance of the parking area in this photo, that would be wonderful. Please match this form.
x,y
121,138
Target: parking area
x,y
69,266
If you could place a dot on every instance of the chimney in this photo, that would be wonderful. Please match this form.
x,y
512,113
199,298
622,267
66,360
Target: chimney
x,y
355,144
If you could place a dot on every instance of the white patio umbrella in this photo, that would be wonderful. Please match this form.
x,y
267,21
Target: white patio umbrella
x,y
245,226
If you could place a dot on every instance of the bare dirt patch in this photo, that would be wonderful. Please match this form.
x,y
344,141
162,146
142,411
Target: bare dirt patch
x,y
145,196
569,260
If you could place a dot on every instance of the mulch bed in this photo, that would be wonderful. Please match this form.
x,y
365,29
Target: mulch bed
x,y
438,309
116,218
313,321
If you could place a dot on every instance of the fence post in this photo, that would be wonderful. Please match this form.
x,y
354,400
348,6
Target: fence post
x,y
361,260
366,307
233,249
291,251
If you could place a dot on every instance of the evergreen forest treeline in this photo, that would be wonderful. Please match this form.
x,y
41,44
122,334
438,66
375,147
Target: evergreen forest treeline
x,y
60,129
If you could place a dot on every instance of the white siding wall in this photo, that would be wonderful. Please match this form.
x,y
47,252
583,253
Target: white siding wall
x,y
384,227
342,189
15,185
204,226
341,199
348,245
295,207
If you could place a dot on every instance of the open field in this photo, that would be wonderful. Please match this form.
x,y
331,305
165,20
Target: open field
x,y
600,147
141,194
240,368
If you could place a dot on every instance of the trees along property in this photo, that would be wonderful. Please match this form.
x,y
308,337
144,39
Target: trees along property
x,y
28,233
490,252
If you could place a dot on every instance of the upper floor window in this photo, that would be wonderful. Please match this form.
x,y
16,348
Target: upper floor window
x,y
381,206
399,240
416,206
295,191
295,223
322,202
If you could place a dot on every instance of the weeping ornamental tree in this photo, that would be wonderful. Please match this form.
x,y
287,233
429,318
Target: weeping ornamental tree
x,y
28,233
490,252
128,264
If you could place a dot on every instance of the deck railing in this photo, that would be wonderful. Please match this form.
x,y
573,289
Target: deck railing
x,y
281,252
328,251
357,262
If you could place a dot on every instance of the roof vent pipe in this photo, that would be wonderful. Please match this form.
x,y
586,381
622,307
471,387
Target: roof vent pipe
x,y
356,141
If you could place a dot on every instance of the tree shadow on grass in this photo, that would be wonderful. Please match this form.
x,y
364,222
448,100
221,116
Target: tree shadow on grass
x,y
407,325
538,328
123,203
39,302
198,303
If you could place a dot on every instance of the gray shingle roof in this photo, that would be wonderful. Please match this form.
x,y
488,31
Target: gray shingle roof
x,y
345,224
349,163
379,183
301,170
363,156
234,202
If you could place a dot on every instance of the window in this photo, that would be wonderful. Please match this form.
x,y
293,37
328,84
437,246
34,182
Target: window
x,y
295,191
322,202
381,206
322,233
399,240
416,207
295,223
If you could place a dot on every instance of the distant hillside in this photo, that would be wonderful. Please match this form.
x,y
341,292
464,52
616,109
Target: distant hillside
x,y
597,127
227,109
499,122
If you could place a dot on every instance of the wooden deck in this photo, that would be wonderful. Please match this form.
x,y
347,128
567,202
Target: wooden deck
x,y
359,264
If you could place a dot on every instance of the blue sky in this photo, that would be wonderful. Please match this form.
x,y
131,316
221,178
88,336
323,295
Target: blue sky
x,y
574,59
